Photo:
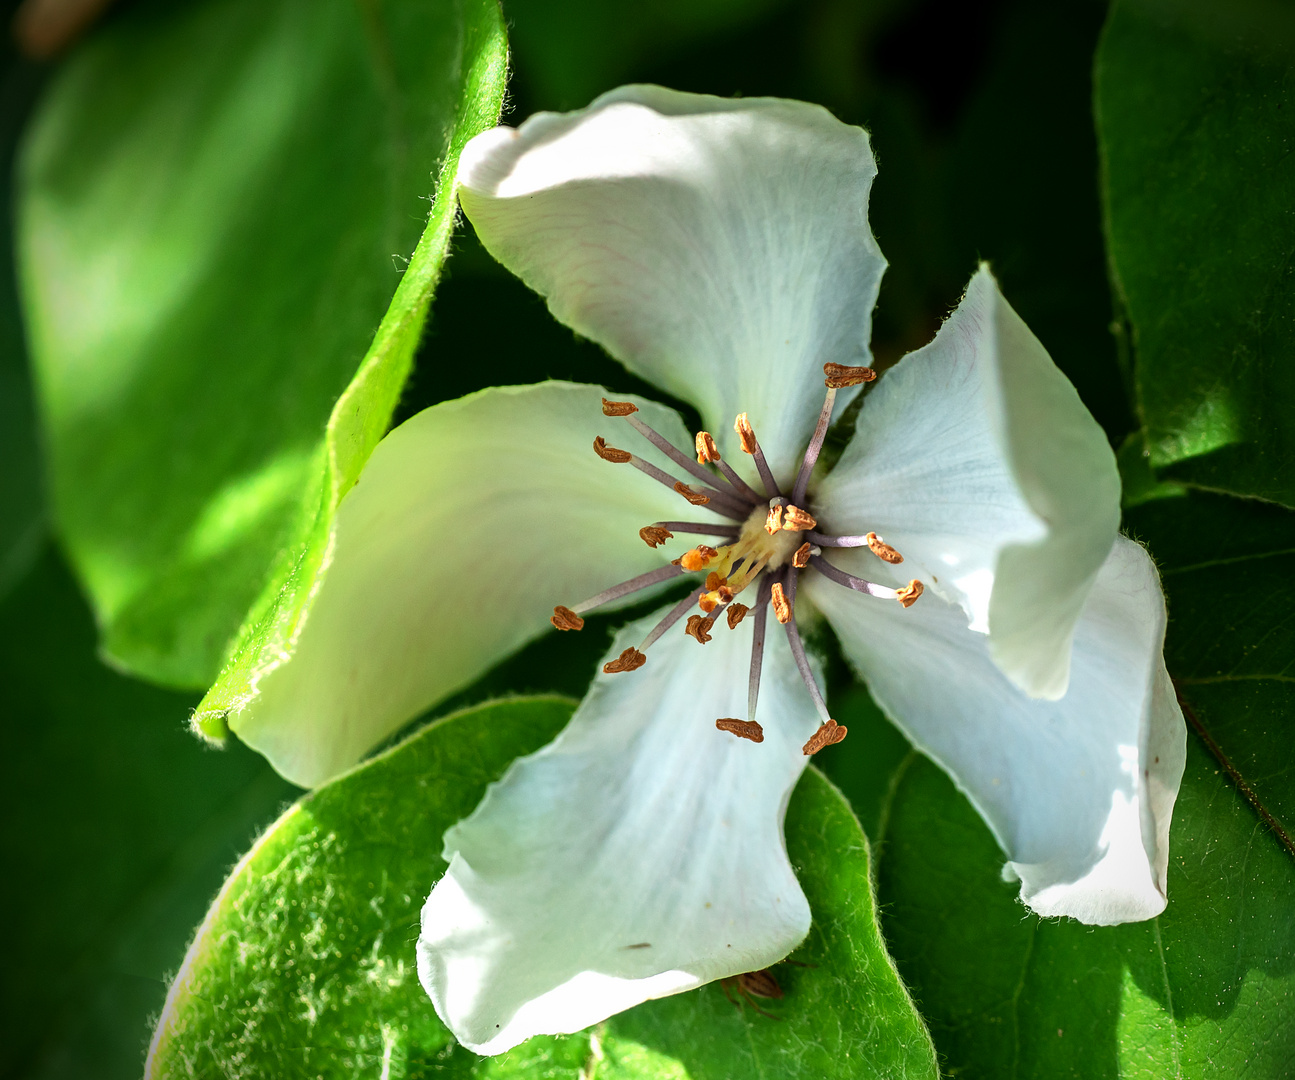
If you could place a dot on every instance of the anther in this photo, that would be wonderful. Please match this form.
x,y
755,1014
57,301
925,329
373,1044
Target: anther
x,y
610,453
743,729
697,558
699,627
781,605
882,550
707,451
796,520
909,593
566,619
655,535
629,660
839,376
828,734
694,497
745,432
618,408
736,614
801,559
774,521
714,580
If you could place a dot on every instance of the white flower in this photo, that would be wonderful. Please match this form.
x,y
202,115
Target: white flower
x,y
720,248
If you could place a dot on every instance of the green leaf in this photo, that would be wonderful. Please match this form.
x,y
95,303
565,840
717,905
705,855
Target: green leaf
x,y
305,964
1194,103
116,828
216,202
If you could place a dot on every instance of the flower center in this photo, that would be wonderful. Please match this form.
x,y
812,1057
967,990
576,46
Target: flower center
x,y
771,539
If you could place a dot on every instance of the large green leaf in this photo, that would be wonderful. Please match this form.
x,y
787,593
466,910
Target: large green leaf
x,y
217,201
116,828
305,965
1194,105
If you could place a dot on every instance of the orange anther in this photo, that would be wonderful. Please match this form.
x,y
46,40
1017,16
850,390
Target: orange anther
x,y
774,521
746,433
736,614
828,734
796,520
839,376
801,559
781,605
618,408
699,627
697,558
654,535
882,550
694,497
714,580
610,453
707,451
909,593
629,660
743,729
566,619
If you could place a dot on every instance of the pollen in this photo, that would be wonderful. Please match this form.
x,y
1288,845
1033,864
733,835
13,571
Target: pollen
x,y
707,451
801,559
714,580
743,729
610,453
629,660
736,614
839,376
619,408
828,734
745,432
566,619
655,535
773,522
797,520
781,605
882,550
909,593
699,628
694,497
697,558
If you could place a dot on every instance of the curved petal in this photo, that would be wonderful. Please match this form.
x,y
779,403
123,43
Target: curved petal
x,y
718,247
1078,791
638,855
469,523
975,458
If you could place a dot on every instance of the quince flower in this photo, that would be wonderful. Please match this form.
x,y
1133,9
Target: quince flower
x,y
964,548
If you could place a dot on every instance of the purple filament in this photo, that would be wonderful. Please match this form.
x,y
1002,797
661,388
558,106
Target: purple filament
x,y
832,573
633,585
814,448
798,648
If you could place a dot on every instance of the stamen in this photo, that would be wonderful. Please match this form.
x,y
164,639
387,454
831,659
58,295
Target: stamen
x,y
630,660
750,445
714,580
736,613
815,446
828,734
566,619
801,559
671,617
781,605
665,573
705,529
610,453
697,558
759,613
833,573
798,653
909,593
699,627
707,451
618,408
839,376
743,729
655,535
797,520
881,549
739,485
774,521
674,453
694,497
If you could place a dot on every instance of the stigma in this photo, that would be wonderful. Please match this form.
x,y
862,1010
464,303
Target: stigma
x,y
761,544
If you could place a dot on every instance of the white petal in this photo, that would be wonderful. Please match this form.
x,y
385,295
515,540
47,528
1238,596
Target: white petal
x,y
1078,791
975,458
639,854
468,524
718,247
